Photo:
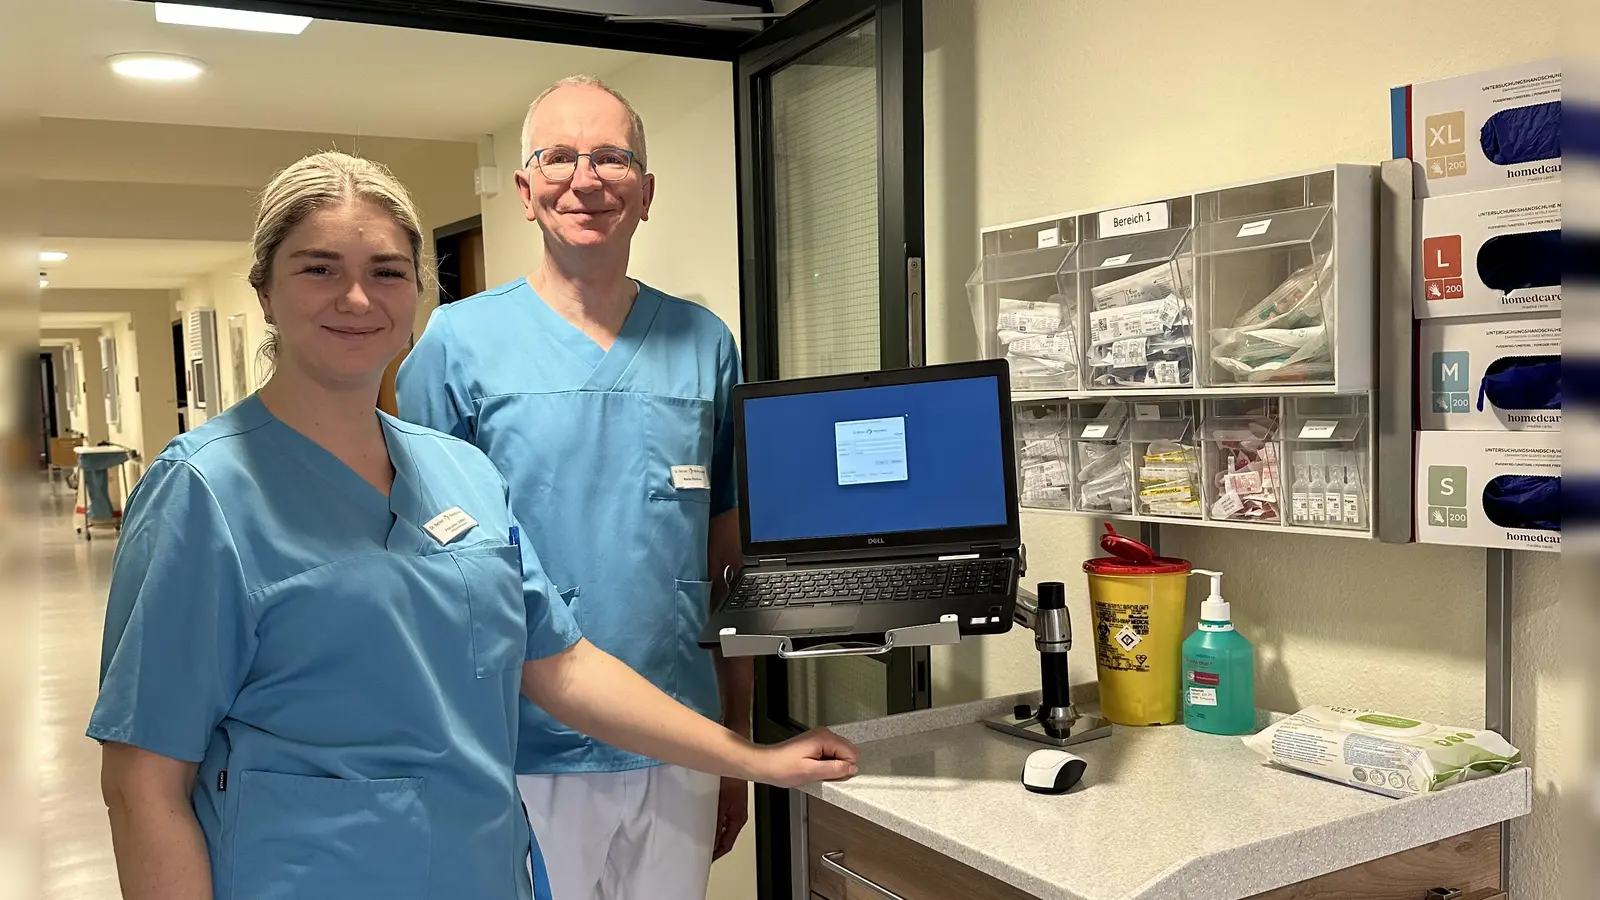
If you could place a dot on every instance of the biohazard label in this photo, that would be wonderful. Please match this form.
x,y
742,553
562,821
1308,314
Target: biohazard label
x,y
1120,629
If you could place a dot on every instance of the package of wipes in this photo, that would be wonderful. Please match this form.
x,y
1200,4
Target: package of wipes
x,y
1389,755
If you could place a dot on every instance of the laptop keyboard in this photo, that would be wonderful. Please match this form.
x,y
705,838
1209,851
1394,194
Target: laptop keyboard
x,y
876,584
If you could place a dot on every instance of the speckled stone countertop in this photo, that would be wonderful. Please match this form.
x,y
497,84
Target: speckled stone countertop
x,y
1161,814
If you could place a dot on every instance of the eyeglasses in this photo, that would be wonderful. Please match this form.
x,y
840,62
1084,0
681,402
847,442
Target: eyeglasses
x,y
561,163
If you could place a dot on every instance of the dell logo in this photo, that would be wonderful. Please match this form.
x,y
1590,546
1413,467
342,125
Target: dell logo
x,y
871,541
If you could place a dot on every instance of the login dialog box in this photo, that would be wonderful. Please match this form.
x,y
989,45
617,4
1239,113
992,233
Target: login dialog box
x,y
870,451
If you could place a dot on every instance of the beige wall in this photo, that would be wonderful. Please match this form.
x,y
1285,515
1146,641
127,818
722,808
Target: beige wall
x,y
150,410
226,291
185,182
1041,106
689,247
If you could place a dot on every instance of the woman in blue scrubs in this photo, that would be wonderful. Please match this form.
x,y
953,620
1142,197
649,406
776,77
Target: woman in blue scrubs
x,y
321,617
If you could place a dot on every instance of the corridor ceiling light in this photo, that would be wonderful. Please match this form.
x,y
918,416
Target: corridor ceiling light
x,y
51,256
43,283
237,19
156,66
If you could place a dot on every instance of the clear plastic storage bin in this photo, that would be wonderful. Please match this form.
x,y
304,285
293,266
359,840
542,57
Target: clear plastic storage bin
x,y
1279,302
1024,303
1135,285
1102,464
1166,459
1240,455
1325,445
1044,458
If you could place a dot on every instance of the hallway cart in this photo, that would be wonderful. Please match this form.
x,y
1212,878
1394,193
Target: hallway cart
x,y
63,462
95,503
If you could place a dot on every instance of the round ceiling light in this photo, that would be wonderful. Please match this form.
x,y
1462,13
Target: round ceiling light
x,y
51,256
156,66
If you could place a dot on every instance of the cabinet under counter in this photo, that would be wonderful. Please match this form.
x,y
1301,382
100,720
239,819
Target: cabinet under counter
x,y
937,812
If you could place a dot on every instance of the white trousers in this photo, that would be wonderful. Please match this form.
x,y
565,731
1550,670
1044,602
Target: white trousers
x,y
644,834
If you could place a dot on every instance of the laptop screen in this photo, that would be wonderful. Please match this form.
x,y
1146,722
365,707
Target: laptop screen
x,y
875,460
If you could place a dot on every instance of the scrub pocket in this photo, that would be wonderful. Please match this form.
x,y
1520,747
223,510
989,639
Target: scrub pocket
x,y
305,838
496,605
696,682
679,433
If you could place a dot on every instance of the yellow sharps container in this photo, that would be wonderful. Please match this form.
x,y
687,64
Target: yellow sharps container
x,y
1137,599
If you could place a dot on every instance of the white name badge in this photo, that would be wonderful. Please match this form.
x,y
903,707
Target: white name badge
x,y
450,524
690,478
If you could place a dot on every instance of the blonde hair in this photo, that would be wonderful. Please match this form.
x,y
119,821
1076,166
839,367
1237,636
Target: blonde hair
x,y
324,180
636,122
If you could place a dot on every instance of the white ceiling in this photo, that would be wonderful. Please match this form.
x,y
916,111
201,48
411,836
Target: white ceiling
x,y
336,77
112,264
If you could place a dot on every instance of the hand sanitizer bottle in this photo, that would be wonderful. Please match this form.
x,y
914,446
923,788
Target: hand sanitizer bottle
x,y
1333,491
1317,492
1300,493
1219,681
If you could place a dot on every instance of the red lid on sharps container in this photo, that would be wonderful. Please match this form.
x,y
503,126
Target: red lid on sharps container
x,y
1131,557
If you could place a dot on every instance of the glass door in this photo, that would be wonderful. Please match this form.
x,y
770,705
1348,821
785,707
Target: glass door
x,y
829,127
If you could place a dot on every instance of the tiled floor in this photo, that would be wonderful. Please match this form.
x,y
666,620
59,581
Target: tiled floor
x,y
78,863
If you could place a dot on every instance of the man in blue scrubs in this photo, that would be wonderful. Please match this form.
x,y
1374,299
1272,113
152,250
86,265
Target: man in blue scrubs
x,y
606,404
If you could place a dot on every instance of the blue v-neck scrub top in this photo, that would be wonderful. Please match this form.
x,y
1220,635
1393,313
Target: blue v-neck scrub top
x,y
617,461
347,683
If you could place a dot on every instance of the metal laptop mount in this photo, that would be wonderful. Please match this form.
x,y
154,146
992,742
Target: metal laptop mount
x,y
945,631
1057,721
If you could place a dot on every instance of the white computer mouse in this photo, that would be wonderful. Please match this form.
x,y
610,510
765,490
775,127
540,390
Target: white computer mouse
x,y
1051,771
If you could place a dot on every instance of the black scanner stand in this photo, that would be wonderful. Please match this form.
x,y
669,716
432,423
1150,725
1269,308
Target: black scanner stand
x,y
1057,722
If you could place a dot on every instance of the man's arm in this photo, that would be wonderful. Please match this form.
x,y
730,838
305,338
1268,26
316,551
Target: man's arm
x,y
160,850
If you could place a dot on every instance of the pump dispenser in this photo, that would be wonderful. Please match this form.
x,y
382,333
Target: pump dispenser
x,y
1219,689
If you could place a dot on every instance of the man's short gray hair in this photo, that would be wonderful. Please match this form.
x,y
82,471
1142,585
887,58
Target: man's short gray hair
x,y
585,81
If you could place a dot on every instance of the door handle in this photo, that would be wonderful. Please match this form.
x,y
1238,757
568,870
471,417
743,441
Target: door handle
x,y
830,861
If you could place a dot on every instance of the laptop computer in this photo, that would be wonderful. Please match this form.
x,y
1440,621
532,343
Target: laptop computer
x,y
873,503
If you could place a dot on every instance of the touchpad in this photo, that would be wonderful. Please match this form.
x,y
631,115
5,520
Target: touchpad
x,y
817,620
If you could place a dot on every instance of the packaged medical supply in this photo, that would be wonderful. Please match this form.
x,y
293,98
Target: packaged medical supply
x,y
1144,285
1105,477
1482,131
1039,338
1489,252
1494,489
1140,330
1169,480
1041,433
1284,337
1487,373
1245,480
1390,755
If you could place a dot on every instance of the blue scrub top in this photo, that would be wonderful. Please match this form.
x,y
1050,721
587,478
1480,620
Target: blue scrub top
x,y
588,440
347,683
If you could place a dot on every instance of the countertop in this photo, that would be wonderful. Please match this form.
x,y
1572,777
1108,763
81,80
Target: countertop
x,y
1161,814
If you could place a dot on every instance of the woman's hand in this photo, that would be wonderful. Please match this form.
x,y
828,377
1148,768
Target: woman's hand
x,y
817,755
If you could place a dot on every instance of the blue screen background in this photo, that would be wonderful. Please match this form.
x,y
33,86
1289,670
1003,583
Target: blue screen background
x,y
955,464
